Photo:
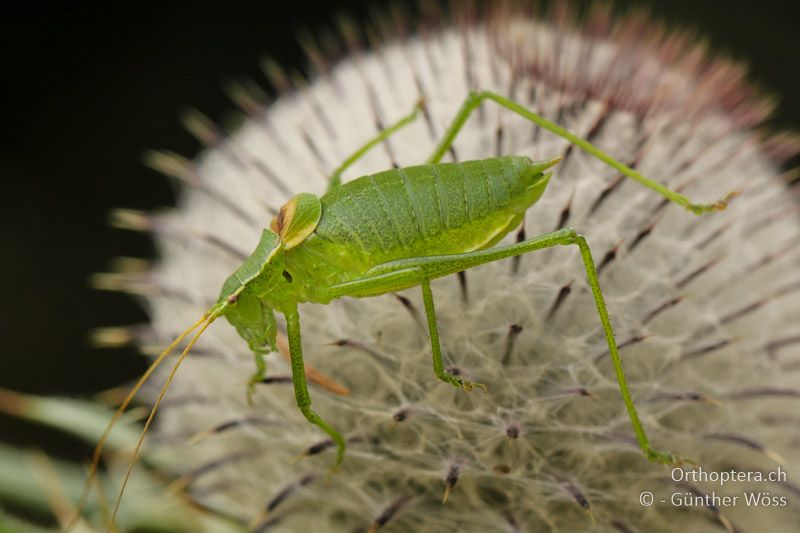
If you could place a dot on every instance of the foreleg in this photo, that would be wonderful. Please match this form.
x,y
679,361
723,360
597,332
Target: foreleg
x,y
300,386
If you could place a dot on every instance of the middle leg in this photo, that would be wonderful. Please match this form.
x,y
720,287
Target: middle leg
x,y
336,178
438,365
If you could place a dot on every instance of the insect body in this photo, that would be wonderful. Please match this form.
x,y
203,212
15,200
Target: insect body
x,y
353,241
427,210
393,230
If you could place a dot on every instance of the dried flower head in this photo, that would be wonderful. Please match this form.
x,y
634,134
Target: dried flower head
x,y
705,308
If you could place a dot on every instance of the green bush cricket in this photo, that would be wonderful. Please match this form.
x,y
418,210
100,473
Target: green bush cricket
x,y
389,231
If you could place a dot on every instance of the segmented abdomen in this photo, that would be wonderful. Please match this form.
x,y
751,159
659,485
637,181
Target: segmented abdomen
x,y
426,209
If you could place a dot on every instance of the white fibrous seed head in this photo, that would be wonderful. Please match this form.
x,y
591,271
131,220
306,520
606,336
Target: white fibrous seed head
x,y
706,309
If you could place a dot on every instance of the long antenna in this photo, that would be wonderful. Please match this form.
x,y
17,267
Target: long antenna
x,y
124,405
153,411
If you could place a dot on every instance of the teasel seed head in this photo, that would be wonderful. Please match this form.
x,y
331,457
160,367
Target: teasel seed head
x,y
705,308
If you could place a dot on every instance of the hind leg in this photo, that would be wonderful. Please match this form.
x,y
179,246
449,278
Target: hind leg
x,y
474,100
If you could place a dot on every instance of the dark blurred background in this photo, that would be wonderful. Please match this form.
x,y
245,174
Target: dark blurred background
x,y
86,91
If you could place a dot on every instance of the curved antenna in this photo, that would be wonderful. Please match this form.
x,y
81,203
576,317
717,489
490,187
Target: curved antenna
x,y
153,411
124,405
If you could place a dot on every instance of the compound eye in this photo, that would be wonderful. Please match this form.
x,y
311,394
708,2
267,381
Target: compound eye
x,y
233,298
